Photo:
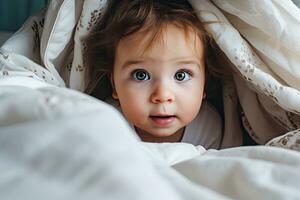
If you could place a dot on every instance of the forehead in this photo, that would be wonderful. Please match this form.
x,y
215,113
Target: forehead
x,y
168,41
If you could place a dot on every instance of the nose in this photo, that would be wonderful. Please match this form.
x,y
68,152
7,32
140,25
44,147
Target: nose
x,y
162,93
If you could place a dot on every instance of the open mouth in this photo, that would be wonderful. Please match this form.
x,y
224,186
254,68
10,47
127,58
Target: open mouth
x,y
163,120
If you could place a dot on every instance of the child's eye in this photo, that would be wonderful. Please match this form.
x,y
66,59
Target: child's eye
x,y
140,75
182,75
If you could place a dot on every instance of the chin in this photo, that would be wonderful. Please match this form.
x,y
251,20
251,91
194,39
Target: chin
x,y
162,132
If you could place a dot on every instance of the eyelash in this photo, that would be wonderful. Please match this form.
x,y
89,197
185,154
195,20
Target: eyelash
x,y
132,74
185,71
189,72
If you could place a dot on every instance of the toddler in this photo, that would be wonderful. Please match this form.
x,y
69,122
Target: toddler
x,y
151,57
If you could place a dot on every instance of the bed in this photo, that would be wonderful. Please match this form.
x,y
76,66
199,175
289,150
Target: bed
x,y
59,143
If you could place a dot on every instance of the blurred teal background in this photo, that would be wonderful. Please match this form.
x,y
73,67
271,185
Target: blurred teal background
x,y
13,13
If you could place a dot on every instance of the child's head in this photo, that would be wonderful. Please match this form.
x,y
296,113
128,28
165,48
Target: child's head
x,y
154,53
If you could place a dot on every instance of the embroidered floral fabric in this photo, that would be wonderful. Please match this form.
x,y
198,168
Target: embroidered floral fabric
x,y
263,49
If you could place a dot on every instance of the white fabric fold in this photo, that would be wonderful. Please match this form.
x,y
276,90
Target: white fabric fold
x,y
71,146
57,143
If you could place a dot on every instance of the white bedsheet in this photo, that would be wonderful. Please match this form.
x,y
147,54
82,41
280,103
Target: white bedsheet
x,y
60,144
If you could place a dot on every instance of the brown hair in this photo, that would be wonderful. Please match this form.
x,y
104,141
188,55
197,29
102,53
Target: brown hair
x,y
125,17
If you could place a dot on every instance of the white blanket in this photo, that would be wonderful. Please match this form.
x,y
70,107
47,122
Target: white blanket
x,y
66,145
58,143
261,97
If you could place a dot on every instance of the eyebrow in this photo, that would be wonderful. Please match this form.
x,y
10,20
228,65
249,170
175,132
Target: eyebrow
x,y
177,61
188,62
131,62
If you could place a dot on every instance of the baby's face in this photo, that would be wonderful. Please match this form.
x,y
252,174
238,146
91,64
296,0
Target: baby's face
x,y
160,90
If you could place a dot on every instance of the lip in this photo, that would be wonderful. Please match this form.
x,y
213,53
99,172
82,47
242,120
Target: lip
x,y
163,120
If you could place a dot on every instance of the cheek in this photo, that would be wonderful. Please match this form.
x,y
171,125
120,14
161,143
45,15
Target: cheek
x,y
132,103
191,111
191,102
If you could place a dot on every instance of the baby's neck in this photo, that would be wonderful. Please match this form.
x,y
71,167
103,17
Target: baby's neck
x,y
146,137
